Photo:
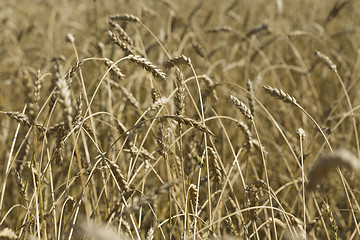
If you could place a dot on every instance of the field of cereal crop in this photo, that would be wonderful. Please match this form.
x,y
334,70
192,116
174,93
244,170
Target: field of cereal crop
x,y
163,119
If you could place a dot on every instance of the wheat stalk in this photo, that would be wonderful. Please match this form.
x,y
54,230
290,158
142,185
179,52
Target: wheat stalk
x,y
280,94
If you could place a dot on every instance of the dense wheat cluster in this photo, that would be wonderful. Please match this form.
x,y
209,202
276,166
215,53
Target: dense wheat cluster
x,y
161,119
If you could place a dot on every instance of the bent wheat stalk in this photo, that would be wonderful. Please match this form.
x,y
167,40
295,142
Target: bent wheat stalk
x,y
327,61
325,163
247,113
285,97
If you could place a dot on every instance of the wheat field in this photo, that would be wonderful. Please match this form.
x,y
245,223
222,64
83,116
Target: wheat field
x,y
161,119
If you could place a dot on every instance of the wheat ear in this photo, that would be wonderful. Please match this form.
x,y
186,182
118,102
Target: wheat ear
x,y
130,97
199,49
180,93
210,90
65,98
129,49
242,107
251,102
220,29
122,34
149,197
125,18
177,61
326,60
72,72
114,69
280,94
190,122
33,107
148,66
248,136
119,177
